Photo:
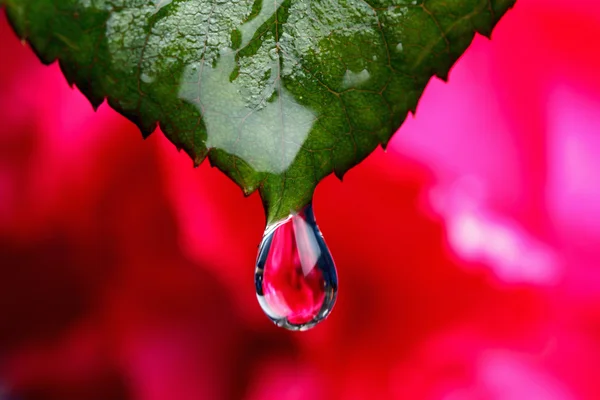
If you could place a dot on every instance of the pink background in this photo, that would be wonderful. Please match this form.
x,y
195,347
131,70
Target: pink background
x,y
468,254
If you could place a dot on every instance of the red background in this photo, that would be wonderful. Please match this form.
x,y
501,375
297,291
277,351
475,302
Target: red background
x,y
468,254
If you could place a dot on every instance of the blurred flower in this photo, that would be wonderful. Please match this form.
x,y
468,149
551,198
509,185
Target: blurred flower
x,y
468,253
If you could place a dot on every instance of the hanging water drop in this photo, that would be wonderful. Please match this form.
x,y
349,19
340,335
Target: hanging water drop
x,y
296,280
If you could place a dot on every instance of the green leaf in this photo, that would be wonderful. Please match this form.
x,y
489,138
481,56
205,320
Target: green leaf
x,y
276,93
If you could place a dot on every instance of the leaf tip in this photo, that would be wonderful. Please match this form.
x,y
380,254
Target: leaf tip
x,y
443,76
486,34
96,103
146,133
147,129
248,191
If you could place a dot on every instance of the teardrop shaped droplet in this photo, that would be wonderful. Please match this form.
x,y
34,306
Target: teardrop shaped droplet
x,y
296,280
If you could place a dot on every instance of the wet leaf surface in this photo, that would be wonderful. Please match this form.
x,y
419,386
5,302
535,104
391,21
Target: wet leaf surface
x,y
277,94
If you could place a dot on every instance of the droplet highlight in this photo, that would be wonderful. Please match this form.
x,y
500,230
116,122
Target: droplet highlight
x,y
295,277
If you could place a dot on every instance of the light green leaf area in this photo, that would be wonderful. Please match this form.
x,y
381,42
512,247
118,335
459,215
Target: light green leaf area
x,y
277,94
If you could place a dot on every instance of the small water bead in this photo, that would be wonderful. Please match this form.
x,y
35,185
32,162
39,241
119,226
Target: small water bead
x,y
296,279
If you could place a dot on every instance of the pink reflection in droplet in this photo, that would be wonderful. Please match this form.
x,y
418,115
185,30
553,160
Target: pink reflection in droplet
x,y
293,286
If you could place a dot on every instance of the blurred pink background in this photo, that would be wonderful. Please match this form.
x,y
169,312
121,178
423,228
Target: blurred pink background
x,y
468,254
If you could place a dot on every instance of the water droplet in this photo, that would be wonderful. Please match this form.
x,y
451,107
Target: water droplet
x,y
296,280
